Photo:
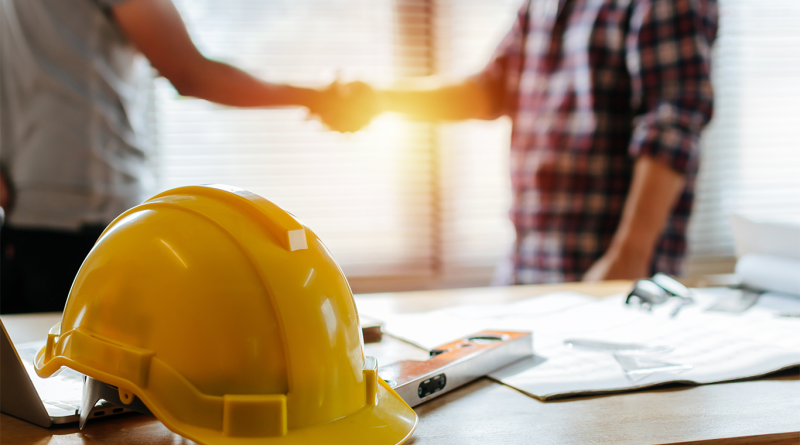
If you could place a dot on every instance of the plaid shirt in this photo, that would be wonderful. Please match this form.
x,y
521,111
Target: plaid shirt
x,y
590,86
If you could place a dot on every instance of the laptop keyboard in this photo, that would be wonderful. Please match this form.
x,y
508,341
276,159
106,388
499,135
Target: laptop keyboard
x,y
63,390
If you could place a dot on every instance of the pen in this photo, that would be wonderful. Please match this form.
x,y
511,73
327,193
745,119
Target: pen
x,y
789,314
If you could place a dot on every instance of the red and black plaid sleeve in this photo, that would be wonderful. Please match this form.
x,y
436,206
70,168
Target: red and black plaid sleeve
x,y
668,52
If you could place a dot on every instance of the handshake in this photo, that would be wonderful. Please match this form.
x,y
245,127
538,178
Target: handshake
x,y
346,107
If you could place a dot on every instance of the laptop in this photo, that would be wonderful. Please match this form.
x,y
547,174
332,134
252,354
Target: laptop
x,y
44,402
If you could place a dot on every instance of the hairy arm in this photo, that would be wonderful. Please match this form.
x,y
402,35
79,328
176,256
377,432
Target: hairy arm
x,y
156,28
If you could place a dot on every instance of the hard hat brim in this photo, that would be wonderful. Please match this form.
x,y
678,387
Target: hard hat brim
x,y
390,421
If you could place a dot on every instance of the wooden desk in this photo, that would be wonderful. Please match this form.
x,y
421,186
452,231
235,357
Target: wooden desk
x,y
764,411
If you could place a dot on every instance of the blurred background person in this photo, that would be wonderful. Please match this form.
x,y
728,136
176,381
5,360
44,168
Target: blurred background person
x,y
607,101
74,155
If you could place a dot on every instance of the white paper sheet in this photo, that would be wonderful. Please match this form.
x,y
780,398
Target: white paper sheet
x,y
707,347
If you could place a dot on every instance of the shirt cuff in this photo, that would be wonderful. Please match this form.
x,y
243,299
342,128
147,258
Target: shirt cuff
x,y
669,145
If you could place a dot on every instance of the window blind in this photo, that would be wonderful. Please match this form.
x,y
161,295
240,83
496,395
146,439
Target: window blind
x,y
399,199
411,200
473,155
367,195
750,152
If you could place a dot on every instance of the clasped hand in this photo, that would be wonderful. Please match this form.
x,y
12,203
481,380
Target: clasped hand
x,y
346,107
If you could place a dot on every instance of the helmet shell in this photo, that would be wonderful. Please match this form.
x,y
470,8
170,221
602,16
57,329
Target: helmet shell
x,y
229,319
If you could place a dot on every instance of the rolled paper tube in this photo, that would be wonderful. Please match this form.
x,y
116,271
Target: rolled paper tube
x,y
770,273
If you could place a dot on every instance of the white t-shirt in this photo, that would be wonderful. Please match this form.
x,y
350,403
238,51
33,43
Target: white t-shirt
x,y
74,96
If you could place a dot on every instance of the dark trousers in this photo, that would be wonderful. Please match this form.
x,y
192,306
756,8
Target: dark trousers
x,y
37,266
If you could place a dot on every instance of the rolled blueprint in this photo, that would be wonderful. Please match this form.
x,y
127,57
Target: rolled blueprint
x,y
770,273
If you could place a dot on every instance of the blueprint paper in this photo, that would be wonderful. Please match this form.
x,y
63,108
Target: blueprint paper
x,y
707,346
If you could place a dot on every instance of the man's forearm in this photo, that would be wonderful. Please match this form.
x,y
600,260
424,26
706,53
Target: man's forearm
x,y
655,189
227,85
157,30
466,100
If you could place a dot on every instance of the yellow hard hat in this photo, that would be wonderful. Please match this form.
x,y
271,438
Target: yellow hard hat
x,y
230,320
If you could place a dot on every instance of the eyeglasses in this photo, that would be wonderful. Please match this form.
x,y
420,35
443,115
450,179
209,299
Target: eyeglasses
x,y
657,290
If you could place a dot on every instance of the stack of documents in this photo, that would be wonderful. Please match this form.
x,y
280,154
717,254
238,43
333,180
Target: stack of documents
x,y
697,346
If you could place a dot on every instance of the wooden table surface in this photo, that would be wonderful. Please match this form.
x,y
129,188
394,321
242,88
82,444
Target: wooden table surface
x,y
763,411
